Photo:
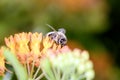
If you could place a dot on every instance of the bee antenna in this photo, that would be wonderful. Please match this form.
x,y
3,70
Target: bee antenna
x,y
50,27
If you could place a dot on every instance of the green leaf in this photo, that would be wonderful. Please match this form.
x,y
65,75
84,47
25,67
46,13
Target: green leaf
x,y
19,69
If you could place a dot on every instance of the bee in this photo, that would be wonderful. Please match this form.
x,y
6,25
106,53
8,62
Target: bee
x,y
58,36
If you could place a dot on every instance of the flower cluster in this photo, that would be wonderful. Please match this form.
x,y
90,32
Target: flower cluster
x,y
2,62
41,56
29,46
65,64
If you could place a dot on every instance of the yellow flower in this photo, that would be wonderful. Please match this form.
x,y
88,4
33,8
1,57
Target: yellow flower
x,y
10,42
22,40
28,47
2,63
35,43
47,43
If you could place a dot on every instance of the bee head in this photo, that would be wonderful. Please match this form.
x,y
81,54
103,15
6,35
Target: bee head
x,y
62,41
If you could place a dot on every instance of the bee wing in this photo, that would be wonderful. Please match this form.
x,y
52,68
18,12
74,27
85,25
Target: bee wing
x,y
62,30
60,34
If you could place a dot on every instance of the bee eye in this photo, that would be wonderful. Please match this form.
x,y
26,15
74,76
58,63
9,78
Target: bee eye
x,y
62,41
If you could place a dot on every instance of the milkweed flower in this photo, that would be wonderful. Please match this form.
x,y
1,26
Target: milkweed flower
x,y
2,63
41,56
65,64
29,46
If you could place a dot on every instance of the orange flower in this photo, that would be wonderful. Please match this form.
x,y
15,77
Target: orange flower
x,y
28,47
47,43
10,42
22,40
2,63
35,43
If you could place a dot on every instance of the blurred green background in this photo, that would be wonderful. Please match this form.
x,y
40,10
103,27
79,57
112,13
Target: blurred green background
x,y
90,24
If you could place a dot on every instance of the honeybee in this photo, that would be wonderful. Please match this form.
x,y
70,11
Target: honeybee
x,y
58,36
